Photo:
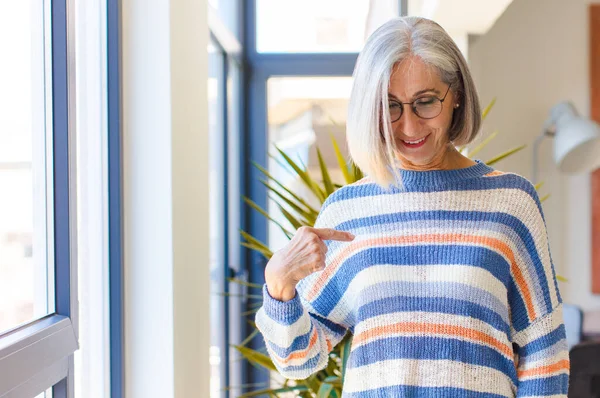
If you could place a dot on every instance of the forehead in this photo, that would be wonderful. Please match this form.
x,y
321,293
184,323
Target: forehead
x,y
412,75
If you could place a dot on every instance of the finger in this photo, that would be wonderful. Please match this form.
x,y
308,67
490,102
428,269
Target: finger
x,y
324,247
333,234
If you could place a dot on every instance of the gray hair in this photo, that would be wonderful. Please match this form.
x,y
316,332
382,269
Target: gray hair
x,y
369,135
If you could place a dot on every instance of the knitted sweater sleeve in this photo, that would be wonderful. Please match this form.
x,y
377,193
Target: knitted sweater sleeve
x,y
300,333
536,308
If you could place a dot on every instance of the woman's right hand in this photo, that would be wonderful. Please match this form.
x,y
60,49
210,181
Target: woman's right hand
x,y
303,255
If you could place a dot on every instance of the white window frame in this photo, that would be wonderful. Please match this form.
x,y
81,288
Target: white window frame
x,y
39,355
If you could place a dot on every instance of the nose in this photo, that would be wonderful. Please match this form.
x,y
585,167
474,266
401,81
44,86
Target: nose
x,y
409,123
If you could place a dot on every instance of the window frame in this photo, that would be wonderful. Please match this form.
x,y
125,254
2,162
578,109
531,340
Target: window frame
x,y
115,201
230,48
39,355
263,67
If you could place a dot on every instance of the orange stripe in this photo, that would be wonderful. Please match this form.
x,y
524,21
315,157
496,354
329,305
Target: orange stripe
x,y
414,327
427,238
544,370
304,352
494,173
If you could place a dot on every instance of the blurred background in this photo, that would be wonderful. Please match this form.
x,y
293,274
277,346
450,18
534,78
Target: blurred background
x,y
246,79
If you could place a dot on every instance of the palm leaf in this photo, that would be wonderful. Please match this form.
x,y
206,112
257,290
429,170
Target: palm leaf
x,y
250,337
325,174
487,109
292,194
304,176
255,242
274,391
293,220
306,214
504,155
266,253
356,172
256,357
479,147
344,354
262,211
325,390
244,283
341,161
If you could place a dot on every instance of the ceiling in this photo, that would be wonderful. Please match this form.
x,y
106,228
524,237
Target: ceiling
x,y
469,16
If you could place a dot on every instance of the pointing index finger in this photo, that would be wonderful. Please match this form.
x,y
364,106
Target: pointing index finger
x,y
333,234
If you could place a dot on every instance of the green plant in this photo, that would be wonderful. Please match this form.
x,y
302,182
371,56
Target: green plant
x,y
298,212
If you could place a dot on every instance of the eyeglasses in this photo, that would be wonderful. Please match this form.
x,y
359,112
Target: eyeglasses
x,y
424,107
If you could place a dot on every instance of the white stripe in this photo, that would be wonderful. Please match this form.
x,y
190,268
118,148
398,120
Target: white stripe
x,y
540,328
515,202
433,318
563,355
468,275
278,334
428,373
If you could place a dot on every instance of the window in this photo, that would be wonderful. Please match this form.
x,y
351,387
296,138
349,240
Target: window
x,y
224,97
462,26
313,26
25,167
302,58
216,124
304,113
228,12
37,314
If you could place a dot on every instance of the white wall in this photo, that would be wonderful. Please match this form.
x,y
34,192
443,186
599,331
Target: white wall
x,y
165,165
534,56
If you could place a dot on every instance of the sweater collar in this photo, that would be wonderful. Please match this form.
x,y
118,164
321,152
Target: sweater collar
x,y
414,178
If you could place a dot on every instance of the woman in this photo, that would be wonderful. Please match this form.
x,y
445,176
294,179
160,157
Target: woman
x,y
438,265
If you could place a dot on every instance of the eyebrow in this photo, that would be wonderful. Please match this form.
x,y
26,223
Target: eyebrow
x,y
417,93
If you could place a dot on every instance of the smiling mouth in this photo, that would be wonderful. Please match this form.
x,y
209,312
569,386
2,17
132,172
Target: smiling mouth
x,y
416,143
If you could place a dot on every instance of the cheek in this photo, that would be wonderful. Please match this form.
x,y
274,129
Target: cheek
x,y
441,125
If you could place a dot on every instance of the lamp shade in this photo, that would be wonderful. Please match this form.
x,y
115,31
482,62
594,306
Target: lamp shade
x,y
576,141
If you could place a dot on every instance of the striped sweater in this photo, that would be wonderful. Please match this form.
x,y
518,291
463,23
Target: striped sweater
x,y
448,289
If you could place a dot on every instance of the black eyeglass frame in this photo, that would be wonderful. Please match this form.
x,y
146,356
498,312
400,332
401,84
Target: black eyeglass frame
x,y
413,107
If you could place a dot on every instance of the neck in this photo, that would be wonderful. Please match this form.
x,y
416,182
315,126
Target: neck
x,y
447,159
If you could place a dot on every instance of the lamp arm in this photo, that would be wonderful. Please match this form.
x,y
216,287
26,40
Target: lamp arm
x,y
546,131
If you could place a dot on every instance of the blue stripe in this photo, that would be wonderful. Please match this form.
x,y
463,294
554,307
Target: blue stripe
x,y
510,181
432,348
476,218
549,352
553,385
435,305
310,364
333,327
452,290
544,342
411,255
284,313
421,392
516,302
299,343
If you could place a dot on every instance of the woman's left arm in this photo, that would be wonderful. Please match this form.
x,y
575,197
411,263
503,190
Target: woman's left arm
x,y
536,307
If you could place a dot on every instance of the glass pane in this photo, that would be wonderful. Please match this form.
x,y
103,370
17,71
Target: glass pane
x,y
25,177
236,302
303,113
318,26
217,211
229,12
462,26
46,394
